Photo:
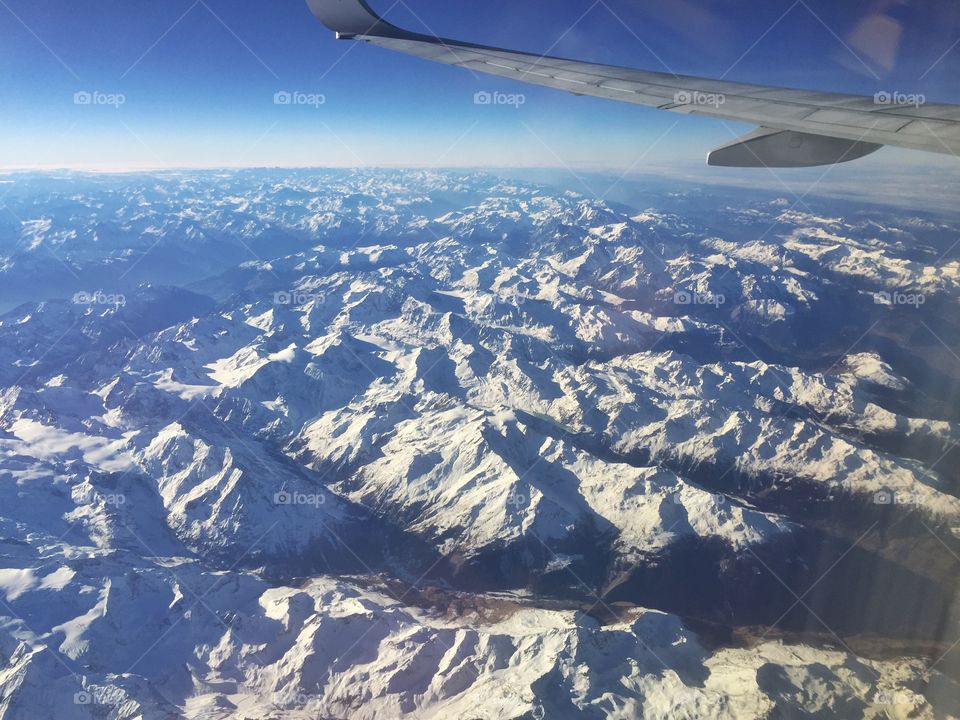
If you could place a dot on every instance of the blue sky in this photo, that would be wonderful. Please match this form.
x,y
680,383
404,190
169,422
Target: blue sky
x,y
198,77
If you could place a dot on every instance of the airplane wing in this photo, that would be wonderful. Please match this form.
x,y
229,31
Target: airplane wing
x,y
796,128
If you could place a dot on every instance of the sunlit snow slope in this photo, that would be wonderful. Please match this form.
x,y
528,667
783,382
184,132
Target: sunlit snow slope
x,y
442,445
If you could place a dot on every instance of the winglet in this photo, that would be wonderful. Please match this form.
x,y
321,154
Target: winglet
x,y
350,18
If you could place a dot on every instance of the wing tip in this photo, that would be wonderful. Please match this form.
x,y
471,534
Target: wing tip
x,y
350,18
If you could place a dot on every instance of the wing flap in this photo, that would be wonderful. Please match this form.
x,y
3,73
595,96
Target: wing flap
x,y
766,147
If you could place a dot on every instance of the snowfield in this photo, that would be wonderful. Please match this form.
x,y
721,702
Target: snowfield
x,y
392,444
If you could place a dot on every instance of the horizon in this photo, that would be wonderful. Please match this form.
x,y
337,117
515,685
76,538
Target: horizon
x,y
915,186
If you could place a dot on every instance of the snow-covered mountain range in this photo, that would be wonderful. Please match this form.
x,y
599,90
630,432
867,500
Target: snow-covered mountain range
x,y
357,444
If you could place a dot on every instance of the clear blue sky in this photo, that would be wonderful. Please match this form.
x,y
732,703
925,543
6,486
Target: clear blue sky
x,y
198,78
